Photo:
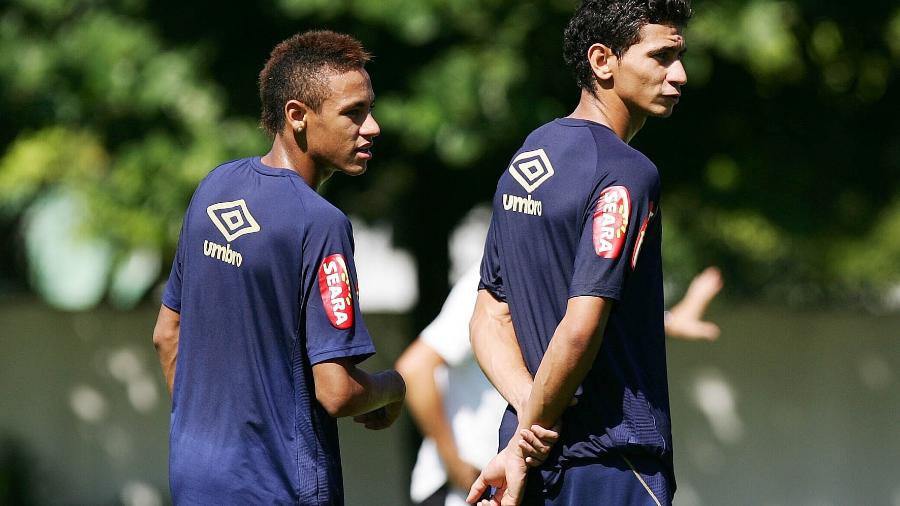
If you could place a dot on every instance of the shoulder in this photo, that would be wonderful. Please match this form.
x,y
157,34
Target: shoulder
x,y
226,170
319,208
559,135
560,143
319,214
224,177
620,161
216,181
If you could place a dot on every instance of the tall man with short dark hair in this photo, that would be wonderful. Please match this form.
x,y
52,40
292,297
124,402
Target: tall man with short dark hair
x,y
572,275
261,306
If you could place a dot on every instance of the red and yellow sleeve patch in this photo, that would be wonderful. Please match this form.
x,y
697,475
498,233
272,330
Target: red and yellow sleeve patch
x,y
611,221
643,231
335,288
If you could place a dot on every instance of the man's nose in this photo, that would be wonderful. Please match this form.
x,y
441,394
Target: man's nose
x,y
677,73
370,127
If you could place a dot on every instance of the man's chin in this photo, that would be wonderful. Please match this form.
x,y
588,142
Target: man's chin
x,y
662,111
355,169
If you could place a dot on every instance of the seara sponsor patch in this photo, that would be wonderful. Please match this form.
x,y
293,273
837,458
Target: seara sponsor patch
x,y
611,221
334,285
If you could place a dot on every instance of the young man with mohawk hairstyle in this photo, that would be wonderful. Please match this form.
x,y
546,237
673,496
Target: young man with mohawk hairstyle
x,y
267,335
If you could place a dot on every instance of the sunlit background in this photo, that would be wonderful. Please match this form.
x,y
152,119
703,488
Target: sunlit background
x,y
781,165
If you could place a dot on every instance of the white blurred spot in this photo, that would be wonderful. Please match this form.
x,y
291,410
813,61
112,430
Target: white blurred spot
x,y
118,443
687,495
467,241
896,496
138,493
387,275
68,267
124,365
134,276
715,398
892,299
875,372
142,394
87,403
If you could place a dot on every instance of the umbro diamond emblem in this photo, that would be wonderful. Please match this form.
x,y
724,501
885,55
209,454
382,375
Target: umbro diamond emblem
x,y
233,219
531,169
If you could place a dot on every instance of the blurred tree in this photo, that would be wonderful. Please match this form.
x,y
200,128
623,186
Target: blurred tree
x,y
96,104
780,163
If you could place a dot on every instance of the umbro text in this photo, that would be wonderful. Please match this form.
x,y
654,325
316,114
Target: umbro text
x,y
223,253
522,205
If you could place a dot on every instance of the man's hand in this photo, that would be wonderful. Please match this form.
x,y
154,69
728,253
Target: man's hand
x,y
380,418
685,319
506,472
460,473
536,444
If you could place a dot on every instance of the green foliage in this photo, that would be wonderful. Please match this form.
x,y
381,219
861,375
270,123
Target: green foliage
x,y
758,34
50,155
780,155
123,120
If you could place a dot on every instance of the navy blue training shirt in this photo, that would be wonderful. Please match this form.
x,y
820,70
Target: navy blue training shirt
x,y
265,284
577,214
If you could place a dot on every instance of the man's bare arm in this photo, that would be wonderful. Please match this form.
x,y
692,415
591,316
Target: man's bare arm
x,y
165,340
345,390
417,365
685,319
497,350
568,358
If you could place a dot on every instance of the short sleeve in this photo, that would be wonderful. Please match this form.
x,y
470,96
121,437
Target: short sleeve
x,y
172,294
491,276
448,334
332,319
613,228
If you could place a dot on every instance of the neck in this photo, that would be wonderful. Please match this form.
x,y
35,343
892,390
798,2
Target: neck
x,y
286,154
608,109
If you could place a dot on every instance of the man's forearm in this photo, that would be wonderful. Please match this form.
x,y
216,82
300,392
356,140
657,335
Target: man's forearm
x,y
165,340
379,389
568,359
496,350
417,365
345,390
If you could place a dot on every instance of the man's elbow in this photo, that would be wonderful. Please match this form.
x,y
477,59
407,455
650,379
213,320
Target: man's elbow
x,y
338,396
336,406
580,335
166,330
418,362
476,327
164,339
406,365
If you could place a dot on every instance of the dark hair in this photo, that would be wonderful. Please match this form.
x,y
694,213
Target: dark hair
x,y
617,25
297,70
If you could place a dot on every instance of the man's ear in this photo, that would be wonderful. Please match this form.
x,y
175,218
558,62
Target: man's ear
x,y
600,57
296,114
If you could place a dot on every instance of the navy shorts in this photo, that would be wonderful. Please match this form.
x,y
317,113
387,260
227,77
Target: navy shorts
x,y
613,479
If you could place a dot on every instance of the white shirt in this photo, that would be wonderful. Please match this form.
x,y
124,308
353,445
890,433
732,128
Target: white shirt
x,y
472,405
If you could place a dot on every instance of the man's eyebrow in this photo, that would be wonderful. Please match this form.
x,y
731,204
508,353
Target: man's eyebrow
x,y
679,48
359,103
